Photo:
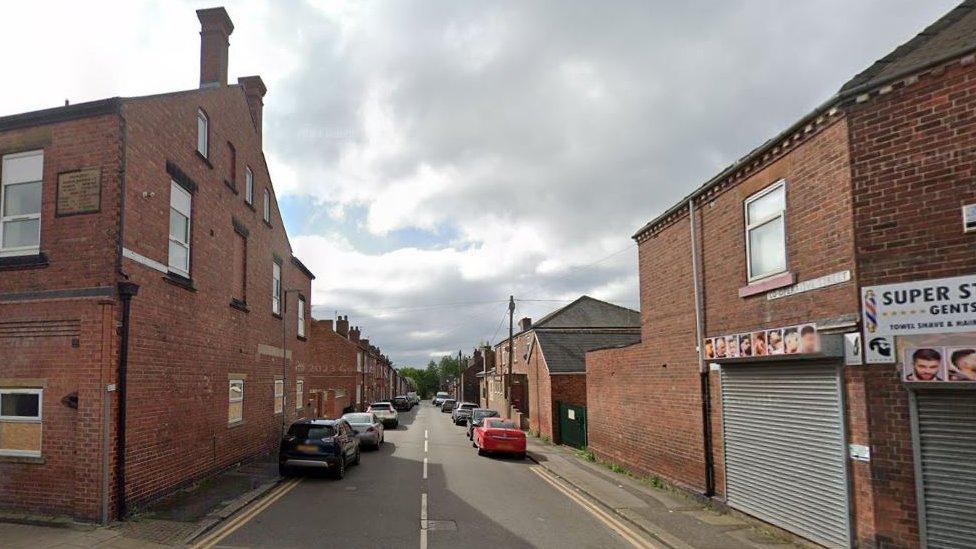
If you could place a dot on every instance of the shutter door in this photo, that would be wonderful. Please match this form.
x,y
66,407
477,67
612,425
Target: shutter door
x,y
785,455
947,451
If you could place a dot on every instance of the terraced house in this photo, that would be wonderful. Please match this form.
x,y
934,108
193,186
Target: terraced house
x,y
806,318
153,319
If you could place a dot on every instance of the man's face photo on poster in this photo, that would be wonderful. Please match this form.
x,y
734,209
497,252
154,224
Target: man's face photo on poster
x,y
809,341
962,364
923,364
720,347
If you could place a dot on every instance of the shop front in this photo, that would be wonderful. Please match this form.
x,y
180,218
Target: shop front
x,y
783,427
928,330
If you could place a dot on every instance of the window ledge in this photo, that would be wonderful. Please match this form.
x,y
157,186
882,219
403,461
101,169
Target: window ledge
x,y
302,338
231,186
235,424
204,159
277,315
239,305
180,281
268,223
18,262
768,284
34,460
250,205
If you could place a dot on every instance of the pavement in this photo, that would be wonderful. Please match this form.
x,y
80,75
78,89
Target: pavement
x,y
670,516
425,486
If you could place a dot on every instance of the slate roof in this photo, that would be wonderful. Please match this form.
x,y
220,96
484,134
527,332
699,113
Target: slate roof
x,y
587,312
954,34
565,352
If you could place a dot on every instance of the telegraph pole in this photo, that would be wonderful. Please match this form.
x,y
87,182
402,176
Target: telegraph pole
x,y
511,327
460,379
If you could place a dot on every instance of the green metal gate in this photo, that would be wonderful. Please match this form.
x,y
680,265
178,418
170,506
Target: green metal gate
x,y
572,425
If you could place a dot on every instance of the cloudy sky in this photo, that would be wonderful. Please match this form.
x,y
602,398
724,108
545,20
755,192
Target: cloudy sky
x,y
432,158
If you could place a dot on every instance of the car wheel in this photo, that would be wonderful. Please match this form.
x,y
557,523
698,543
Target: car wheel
x,y
396,424
340,470
283,470
481,451
355,460
474,444
520,455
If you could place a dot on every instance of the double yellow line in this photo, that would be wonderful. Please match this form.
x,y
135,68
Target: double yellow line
x,y
215,537
629,534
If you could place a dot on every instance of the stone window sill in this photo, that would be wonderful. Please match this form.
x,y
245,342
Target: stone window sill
x,y
33,460
235,424
768,284
231,186
18,262
180,281
204,159
239,305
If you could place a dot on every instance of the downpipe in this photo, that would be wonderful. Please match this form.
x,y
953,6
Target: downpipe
x,y
704,387
127,290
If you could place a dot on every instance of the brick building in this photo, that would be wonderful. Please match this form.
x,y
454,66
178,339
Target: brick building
x,y
772,255
548,360
152,312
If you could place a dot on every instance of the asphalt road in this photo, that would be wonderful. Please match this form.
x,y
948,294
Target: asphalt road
x,y
470,501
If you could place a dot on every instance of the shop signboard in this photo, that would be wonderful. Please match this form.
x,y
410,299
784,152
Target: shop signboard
x,y
936,306
790,340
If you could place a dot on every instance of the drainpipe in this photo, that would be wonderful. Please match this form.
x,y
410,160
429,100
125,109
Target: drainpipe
x,y
127,290
705,390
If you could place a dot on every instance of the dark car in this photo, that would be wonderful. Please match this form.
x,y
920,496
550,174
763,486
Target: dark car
x,y
319,444
477,417
402,404
448,405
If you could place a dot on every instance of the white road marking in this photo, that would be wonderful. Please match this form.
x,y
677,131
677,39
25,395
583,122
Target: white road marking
x,y
425,468
423,521
425,434
425,446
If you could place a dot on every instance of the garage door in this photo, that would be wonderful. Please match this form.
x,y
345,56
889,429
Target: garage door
x,y
947,454
785,455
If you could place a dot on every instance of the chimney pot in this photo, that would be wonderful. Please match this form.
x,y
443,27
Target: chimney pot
x,y
525,324
215,30
342,326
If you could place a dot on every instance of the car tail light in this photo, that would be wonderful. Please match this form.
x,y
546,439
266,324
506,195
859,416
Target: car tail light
x,y
371,429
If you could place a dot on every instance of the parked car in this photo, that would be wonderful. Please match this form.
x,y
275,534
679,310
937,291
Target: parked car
x,y
414,398
499,435
477,416
321,444
401,404
448,405
462,412
440,397
385,412
368,428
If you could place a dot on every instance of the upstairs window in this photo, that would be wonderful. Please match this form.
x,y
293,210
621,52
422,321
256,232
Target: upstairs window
x,y
20,203
240,267
301,317
203,133
235,404
267,206
279,396
766,232
276,288
232,168
299,393
179,229
248,185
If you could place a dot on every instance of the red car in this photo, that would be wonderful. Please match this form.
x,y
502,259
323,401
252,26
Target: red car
x,y
499,435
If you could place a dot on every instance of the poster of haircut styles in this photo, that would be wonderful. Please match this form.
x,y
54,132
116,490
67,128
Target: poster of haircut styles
x,y
924,364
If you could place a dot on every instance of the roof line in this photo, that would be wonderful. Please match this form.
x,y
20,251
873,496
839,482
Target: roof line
x,y
66,113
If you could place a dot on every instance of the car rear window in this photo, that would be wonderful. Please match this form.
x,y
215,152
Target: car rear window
x,y
478,414
358,418
306,430
468,406
380,406
500,424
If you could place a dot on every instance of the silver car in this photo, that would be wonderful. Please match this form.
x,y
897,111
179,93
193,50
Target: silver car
x,y
368,428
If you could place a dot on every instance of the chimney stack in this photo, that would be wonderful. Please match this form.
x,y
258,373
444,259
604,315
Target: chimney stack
x,y
215,29
254,90
327,324
525,324
342,326
365,343
354,334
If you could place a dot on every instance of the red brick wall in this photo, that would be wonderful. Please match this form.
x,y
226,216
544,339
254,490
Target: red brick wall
x,y
912,164
69,345
568,389
185,343
660,373
332,363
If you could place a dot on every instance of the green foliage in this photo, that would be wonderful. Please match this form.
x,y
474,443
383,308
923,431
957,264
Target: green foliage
x,y
617,469
435,376
586,454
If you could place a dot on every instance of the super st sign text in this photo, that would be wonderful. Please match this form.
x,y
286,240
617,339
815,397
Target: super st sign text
x,y
925,307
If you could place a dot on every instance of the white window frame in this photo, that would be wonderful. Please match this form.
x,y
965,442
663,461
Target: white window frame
x,y
231,400
359,361
24,419
781,184
301,316
359,393
266,211
176,188
248,185
275,288
203,133
279,394
299,393
20,250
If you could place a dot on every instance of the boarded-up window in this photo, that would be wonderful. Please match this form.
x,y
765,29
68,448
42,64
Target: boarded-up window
x,y
279,396
240,267
235,408
20,422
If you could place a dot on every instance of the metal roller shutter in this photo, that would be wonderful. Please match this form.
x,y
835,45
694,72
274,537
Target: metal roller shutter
x,y
785,455
947,461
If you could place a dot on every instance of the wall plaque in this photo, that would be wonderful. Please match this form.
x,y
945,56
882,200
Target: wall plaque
x,y
79,192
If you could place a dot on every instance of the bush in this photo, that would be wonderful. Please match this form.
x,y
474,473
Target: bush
x,y
586,454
